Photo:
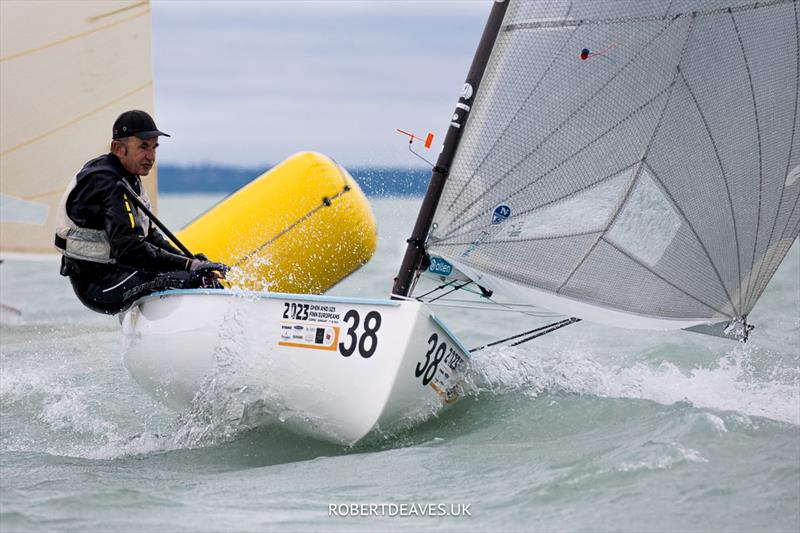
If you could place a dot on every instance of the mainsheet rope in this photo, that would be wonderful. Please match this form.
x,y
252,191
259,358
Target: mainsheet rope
x,y
531,334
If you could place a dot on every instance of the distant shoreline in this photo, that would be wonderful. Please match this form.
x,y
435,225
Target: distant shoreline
x,y
209,178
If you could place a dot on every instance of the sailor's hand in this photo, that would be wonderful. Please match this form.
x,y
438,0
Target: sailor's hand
x,y
201,256
198,265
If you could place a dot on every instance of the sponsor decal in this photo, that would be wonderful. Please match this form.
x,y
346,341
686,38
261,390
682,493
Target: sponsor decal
x,y
501,213
316,336
310,325
440,266
474,246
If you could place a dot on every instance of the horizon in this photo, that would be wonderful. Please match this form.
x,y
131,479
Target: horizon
x,y
374,181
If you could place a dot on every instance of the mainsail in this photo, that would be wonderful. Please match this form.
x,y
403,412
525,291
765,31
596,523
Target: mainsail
x,y
634,163
67,69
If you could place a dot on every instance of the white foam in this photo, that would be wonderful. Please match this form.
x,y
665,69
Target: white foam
x,y
727,385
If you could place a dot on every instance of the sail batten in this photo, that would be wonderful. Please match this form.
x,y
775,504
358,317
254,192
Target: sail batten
x,y
671,124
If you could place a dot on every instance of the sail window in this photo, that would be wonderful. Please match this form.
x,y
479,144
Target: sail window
x,y
793,176
647,223
21,211
583,212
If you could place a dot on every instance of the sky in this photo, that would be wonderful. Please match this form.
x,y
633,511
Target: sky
x,y
247,83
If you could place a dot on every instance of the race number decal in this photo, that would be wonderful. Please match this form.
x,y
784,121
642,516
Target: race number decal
x,y
324,328
364,339
440,368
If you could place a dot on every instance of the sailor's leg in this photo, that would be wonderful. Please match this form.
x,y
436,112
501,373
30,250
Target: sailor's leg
x,y
115,293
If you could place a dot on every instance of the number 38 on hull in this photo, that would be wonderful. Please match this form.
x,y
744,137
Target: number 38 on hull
x,y
333,368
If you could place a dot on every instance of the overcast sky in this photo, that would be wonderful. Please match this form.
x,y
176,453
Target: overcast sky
x,y
251,82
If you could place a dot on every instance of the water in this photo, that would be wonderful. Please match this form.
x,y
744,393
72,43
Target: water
x,y
589,428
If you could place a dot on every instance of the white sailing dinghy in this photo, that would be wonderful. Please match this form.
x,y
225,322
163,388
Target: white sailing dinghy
x,y
634,163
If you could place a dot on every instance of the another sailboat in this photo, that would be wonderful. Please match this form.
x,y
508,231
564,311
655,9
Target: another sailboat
x,y
62,86
634,163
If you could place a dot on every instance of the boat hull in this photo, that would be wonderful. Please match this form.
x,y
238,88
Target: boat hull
x,y
333,368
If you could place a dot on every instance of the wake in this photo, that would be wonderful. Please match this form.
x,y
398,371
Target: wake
x,y
728,384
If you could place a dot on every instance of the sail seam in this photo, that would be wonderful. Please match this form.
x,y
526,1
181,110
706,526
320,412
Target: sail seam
x,y
789,220
118,11
609,222
770,267
531,239
669,8
760,157
556,56
795,229
724,181
80,35
563,123
77,119
659,276
550,23
511,276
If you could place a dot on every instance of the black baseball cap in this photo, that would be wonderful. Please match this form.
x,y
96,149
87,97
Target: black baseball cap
x,y
138,123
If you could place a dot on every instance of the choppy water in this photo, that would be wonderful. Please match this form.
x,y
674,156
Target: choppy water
x,y
589,428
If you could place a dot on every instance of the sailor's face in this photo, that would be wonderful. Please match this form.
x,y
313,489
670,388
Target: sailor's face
x,y
138,155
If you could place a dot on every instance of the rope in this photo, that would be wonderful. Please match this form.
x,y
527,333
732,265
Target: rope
x,y
450,291
440,287
493,308
534,333
326,202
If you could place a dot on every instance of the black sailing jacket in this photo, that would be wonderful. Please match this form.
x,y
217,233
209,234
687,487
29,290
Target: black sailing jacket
x,y
97,203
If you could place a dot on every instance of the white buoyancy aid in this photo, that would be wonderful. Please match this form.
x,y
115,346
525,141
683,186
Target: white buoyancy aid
x,y
89,244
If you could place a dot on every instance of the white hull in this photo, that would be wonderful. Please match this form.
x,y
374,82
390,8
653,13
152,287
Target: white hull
x,y
333,368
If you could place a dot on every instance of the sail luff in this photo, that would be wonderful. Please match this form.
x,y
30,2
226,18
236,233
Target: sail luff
x,y
520,107
415,250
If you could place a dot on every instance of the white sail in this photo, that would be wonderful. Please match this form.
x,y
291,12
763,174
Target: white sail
x,y
67,70
632,162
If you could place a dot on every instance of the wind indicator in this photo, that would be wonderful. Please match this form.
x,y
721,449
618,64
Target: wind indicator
x,y
427,141
586,53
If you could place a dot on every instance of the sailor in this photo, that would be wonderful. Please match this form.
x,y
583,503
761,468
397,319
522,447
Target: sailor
x,y
111,250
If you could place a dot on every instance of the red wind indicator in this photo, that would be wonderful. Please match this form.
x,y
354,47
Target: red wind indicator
x,y
427,141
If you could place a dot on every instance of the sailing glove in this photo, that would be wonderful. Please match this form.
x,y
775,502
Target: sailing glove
x,y
200,266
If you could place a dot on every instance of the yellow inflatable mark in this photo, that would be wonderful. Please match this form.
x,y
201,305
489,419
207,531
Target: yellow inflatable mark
x,y
301,227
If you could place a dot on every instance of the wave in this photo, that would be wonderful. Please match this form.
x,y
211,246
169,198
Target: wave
x,y
731,383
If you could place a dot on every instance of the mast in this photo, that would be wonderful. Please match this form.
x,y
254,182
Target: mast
x,y
415,251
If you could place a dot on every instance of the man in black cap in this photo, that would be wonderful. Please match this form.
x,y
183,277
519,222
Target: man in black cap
x,y
111,251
